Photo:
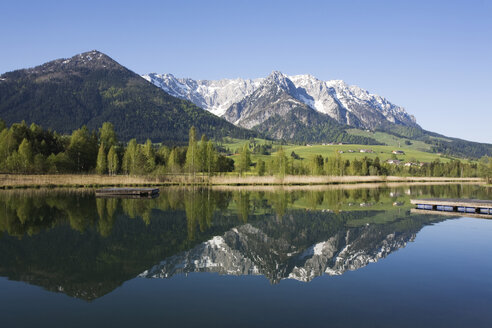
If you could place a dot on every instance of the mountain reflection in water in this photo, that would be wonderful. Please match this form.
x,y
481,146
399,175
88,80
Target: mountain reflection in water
x,y
71,242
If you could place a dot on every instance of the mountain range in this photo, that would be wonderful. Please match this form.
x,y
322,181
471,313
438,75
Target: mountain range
x,y
248,103
303,108
91,88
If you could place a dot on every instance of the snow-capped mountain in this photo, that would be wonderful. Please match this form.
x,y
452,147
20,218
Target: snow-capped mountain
x,y
214,96
234,100
276,95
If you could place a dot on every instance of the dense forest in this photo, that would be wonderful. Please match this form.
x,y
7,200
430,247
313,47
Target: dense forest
x,y
301,125
440,143
90,89
31,149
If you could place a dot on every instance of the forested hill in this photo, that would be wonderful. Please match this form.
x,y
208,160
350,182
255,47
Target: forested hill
x,y
439,143
91,88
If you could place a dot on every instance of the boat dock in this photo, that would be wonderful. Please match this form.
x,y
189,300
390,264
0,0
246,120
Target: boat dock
x,y
128,192
475,207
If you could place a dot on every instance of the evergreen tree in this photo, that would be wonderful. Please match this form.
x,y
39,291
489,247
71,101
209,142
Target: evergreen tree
x,y
260,167
211,158
202,155
365,167
355,167
225,164
102,162
141,161
317,165
150,159
40,165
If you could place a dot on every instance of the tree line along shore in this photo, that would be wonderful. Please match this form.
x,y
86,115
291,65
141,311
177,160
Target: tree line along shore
x,y
36,152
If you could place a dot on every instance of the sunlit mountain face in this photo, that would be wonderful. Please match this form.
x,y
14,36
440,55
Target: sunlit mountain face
x,y
71,242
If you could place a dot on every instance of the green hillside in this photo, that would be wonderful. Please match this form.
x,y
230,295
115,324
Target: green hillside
x,y
412,153
90,89
392,140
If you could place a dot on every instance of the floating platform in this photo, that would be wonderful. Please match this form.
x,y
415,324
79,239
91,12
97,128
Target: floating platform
x,y
475,207
128,192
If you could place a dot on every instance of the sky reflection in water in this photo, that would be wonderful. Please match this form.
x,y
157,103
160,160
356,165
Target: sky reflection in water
x,y
235,257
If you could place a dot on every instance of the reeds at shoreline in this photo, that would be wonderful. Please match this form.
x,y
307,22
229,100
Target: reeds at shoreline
x,y
8,181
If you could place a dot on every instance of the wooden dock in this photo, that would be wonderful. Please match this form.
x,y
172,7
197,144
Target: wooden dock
x,y
128,192
475,207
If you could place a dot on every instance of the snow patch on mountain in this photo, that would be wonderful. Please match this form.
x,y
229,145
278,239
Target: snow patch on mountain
x,y
214,96
347,104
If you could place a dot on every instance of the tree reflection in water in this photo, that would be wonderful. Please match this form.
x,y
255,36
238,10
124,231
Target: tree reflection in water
x,y
68,240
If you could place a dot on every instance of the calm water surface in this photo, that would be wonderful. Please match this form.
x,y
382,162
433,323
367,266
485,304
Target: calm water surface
x,y
334,257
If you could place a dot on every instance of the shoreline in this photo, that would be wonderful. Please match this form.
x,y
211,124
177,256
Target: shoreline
x,y
14,181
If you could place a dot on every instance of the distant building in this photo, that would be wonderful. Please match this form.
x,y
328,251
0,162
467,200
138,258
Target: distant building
x,y
393,161
366,151
351,151
410,164
398,152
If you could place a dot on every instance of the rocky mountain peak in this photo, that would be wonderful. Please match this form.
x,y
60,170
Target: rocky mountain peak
x,y
280,80
249,103
59,68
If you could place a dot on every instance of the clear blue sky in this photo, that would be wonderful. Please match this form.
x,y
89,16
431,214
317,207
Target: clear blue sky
x,y
432,57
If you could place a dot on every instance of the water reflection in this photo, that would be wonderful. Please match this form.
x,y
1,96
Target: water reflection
x,y
301,246
69,241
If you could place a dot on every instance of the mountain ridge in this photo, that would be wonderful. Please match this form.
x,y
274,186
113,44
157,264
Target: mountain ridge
x,y
91,88
347,104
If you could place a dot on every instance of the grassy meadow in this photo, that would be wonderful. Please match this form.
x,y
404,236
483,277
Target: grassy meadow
x,y
416,152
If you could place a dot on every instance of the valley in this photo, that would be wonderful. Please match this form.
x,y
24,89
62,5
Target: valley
x,y
89,114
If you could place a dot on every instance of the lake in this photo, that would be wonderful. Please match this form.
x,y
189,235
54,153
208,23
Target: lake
x,y
337,256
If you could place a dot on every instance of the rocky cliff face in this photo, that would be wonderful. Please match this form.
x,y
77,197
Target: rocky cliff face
x,y
241,101
214,96
276,95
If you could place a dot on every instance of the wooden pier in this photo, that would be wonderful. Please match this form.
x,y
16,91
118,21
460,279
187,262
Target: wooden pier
x,y
471,207
128,192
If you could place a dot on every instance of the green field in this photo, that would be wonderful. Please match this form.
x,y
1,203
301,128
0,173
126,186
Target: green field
x,y
391,140
416,152
383,152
